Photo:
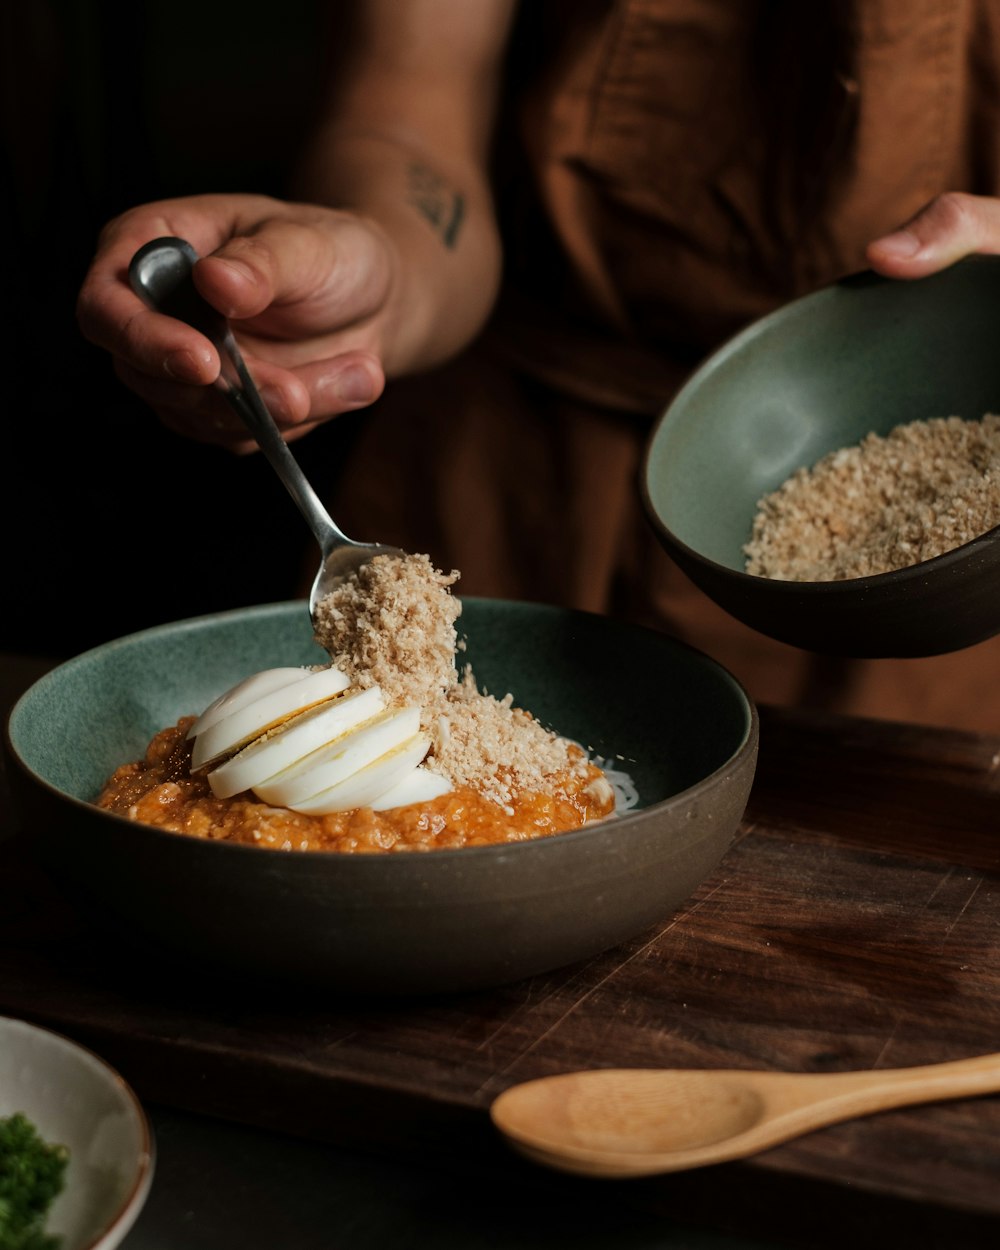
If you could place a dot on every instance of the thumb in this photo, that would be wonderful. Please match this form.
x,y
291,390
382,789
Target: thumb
x,y
945,230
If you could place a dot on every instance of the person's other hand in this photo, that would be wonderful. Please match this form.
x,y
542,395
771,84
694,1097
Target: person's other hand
x,y
305,287
945,230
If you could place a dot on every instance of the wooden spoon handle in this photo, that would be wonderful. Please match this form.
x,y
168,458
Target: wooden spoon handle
x,y
857,1093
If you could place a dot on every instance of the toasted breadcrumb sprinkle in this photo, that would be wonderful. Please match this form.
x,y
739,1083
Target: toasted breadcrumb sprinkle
x,y
887,503
392,623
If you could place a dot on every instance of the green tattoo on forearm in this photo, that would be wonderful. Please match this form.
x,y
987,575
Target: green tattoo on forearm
x,y
436,202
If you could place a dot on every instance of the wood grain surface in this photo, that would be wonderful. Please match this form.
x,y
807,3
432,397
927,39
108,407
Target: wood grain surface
x,y
854,924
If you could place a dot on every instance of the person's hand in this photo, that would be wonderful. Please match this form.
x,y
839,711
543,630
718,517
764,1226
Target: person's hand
x,y
306,288
945,230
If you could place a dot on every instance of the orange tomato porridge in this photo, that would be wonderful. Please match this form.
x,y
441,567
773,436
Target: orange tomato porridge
x,y
161,790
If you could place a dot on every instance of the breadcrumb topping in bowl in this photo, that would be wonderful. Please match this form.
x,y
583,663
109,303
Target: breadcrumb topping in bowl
x,y
394,624
850,396
888,502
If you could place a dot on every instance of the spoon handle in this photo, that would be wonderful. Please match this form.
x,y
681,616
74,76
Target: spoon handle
x,y
245,398
160,273
824,1098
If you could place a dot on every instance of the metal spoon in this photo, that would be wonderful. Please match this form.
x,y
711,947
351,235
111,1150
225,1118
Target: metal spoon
x,y
619,1122
160,274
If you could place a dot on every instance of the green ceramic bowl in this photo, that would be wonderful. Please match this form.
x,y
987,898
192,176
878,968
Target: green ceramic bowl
x,y
412,922
819,374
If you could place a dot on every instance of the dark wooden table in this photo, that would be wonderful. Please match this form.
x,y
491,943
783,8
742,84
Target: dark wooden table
x,y
854,924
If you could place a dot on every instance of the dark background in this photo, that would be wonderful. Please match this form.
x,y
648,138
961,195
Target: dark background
x,y
111,523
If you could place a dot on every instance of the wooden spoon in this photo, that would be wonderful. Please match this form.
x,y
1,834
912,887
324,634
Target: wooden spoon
x,y
638,1121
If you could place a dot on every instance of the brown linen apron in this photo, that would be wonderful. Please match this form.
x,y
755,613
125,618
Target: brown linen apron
x,y
647,222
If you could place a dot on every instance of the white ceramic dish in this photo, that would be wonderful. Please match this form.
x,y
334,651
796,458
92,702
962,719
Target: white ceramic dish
x,y
74,1098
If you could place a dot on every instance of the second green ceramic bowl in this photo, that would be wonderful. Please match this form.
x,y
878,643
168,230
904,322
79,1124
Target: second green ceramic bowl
x,y
819,374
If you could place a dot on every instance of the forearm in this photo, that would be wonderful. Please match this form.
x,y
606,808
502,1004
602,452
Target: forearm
x,y
386,262
436,214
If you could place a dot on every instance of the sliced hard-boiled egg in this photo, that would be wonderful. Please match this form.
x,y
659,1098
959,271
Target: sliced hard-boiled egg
x,y
255,716
305,739
294,738
246,691
418,786
359,745
364,787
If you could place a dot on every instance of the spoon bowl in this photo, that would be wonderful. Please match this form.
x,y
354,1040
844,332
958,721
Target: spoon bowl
x,y
160,273
619,1122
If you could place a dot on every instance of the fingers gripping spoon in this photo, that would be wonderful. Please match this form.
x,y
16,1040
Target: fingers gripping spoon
x,y
161,275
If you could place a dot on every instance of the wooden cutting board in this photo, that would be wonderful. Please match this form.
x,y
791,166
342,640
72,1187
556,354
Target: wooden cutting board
x,y
854,924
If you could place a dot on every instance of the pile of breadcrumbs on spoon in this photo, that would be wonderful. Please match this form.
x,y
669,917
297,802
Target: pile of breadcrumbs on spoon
x,y
392,624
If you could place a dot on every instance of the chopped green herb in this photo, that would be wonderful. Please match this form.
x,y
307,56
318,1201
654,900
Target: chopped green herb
x,y
32,1174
